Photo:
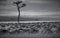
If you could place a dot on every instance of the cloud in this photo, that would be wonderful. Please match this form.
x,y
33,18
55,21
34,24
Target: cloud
x,y
38,2
2,0
44,1
34,7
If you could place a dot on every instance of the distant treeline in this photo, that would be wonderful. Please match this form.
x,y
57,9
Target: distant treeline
x,y
15,18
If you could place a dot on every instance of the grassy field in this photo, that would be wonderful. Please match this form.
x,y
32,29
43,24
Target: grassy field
x,y
31,30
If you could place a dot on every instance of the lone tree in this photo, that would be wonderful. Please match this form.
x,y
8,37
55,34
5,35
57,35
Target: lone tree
x,y
19,7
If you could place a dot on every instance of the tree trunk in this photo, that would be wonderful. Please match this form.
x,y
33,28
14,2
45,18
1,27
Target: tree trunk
x,y
18,13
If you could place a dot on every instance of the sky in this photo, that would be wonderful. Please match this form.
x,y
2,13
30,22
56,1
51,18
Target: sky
x,y
32,8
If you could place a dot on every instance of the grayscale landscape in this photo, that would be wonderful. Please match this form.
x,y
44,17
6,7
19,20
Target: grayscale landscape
x,y
29,18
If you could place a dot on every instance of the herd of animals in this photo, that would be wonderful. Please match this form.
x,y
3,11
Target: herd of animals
x,y
39,27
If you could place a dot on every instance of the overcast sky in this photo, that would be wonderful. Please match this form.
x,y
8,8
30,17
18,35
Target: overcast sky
x,y
33,8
